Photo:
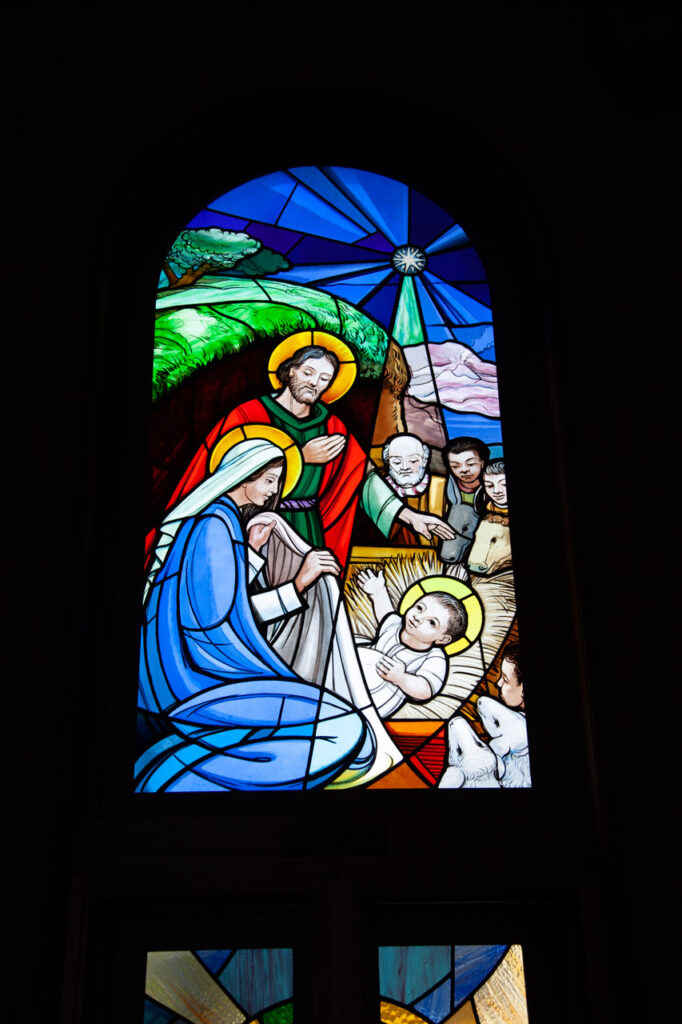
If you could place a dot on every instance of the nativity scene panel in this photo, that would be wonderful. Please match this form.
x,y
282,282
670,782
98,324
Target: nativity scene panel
x,y
329,595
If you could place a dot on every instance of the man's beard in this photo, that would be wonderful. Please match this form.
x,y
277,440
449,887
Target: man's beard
x,y
304,393
409,479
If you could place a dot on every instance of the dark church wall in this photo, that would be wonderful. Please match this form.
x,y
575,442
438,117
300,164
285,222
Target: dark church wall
x,y
574,112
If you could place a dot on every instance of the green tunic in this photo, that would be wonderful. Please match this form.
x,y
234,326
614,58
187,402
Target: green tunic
x,y
377,499
306,522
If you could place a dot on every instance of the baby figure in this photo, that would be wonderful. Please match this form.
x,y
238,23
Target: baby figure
x,y
405,661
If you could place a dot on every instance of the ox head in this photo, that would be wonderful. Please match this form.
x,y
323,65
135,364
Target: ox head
x,y
491,550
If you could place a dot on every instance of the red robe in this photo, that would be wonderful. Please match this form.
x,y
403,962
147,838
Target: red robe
x,y
338,489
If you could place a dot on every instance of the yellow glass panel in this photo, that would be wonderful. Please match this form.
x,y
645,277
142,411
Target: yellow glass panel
x,y
392,1014
465,1015
502,999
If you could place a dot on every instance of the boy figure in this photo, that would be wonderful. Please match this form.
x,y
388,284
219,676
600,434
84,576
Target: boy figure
x,y
495,487
405,661
510,682
465,458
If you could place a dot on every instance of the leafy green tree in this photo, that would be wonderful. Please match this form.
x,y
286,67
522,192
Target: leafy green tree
x,y
265,262
196,251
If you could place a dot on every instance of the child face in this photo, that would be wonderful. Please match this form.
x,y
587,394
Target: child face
x,y
511,689
426,622
495,485
466,468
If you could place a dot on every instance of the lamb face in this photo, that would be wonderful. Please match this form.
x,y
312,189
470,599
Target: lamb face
x,y
507,728
472,763
509,739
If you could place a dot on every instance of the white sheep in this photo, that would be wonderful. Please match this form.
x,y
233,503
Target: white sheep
x,y
472,764
508,738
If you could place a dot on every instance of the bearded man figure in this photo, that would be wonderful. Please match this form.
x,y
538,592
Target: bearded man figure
x,y
321,507
406,461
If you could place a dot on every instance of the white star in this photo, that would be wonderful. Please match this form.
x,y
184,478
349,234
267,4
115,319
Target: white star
x,y
408,259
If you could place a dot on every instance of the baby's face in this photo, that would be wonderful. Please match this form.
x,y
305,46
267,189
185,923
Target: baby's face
x,y
426,622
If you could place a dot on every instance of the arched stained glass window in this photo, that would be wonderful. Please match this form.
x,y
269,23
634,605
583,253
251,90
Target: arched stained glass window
x,y
329,598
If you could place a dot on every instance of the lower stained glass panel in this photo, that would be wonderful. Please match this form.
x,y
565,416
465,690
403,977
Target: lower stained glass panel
x,y
219,986
452,985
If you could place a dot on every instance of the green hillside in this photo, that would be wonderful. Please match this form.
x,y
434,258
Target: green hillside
x,y
221,315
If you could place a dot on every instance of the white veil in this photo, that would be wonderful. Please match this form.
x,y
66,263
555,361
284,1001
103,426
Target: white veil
x,y
239,463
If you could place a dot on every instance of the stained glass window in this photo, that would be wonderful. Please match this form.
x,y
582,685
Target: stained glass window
x,y
219,986
452,985
329,598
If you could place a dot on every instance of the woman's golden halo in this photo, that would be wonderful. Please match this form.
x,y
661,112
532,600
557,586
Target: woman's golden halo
x,y
347,366
292,453
463,593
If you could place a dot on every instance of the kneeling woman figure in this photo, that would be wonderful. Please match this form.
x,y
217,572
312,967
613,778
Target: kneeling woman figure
x,y
221,710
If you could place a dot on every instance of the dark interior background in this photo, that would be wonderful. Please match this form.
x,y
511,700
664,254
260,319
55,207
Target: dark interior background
x,y
568,117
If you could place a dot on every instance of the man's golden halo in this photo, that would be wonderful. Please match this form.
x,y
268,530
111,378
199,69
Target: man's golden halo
x,y
292,453
347,365
463,593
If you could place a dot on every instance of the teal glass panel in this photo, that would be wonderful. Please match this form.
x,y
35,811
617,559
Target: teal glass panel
x,y
407,972
431,983
154,1014
259,977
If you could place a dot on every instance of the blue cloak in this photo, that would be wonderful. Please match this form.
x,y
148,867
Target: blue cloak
x,y
235,715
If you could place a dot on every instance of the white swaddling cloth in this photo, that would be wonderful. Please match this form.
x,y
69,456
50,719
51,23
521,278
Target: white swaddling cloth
x,y
430,665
